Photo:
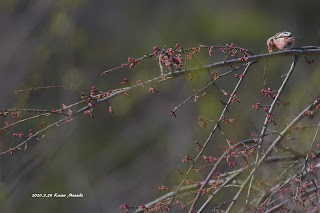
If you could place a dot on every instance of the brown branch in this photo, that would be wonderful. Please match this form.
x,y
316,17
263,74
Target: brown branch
x,y
256,58
310,148
32,136
230,178
286,201
280,138
229,63
23,120
204,88
59,111
257,163
210,136
275,100
203,207
268,117
286,182
48,87
127,64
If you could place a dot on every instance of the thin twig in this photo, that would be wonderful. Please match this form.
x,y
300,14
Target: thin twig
x,y
34,135
23,120
256,58
272,106
210,136
49,87
231,177
204,88
311,146
59,111
265,125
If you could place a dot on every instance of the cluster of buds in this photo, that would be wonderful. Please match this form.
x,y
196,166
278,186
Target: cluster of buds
x,y
15,115
194,51
132,62
203,122
42,125
22,135
244,58
233,164
110,110
308,61
187,158
163,188
215,75
232,50
237,75
125,81
156,50
171,113
210,50
13,150
93,91
226,120
309,114
153,90
170,59
253,136
209,159
235,98
125,207
88,112
256,106
199,146
4,114
268,93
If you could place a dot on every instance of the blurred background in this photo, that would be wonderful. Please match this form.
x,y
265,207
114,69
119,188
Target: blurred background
x,y
124,157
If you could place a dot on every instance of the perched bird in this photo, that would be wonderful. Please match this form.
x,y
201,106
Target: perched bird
x,y
282,40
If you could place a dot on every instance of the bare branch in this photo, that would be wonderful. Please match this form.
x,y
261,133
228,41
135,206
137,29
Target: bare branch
x,y
210,136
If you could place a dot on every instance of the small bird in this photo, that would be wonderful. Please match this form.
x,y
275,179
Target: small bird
x,y
282,40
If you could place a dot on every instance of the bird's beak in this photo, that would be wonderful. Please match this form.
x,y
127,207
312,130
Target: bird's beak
x,y
293,38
